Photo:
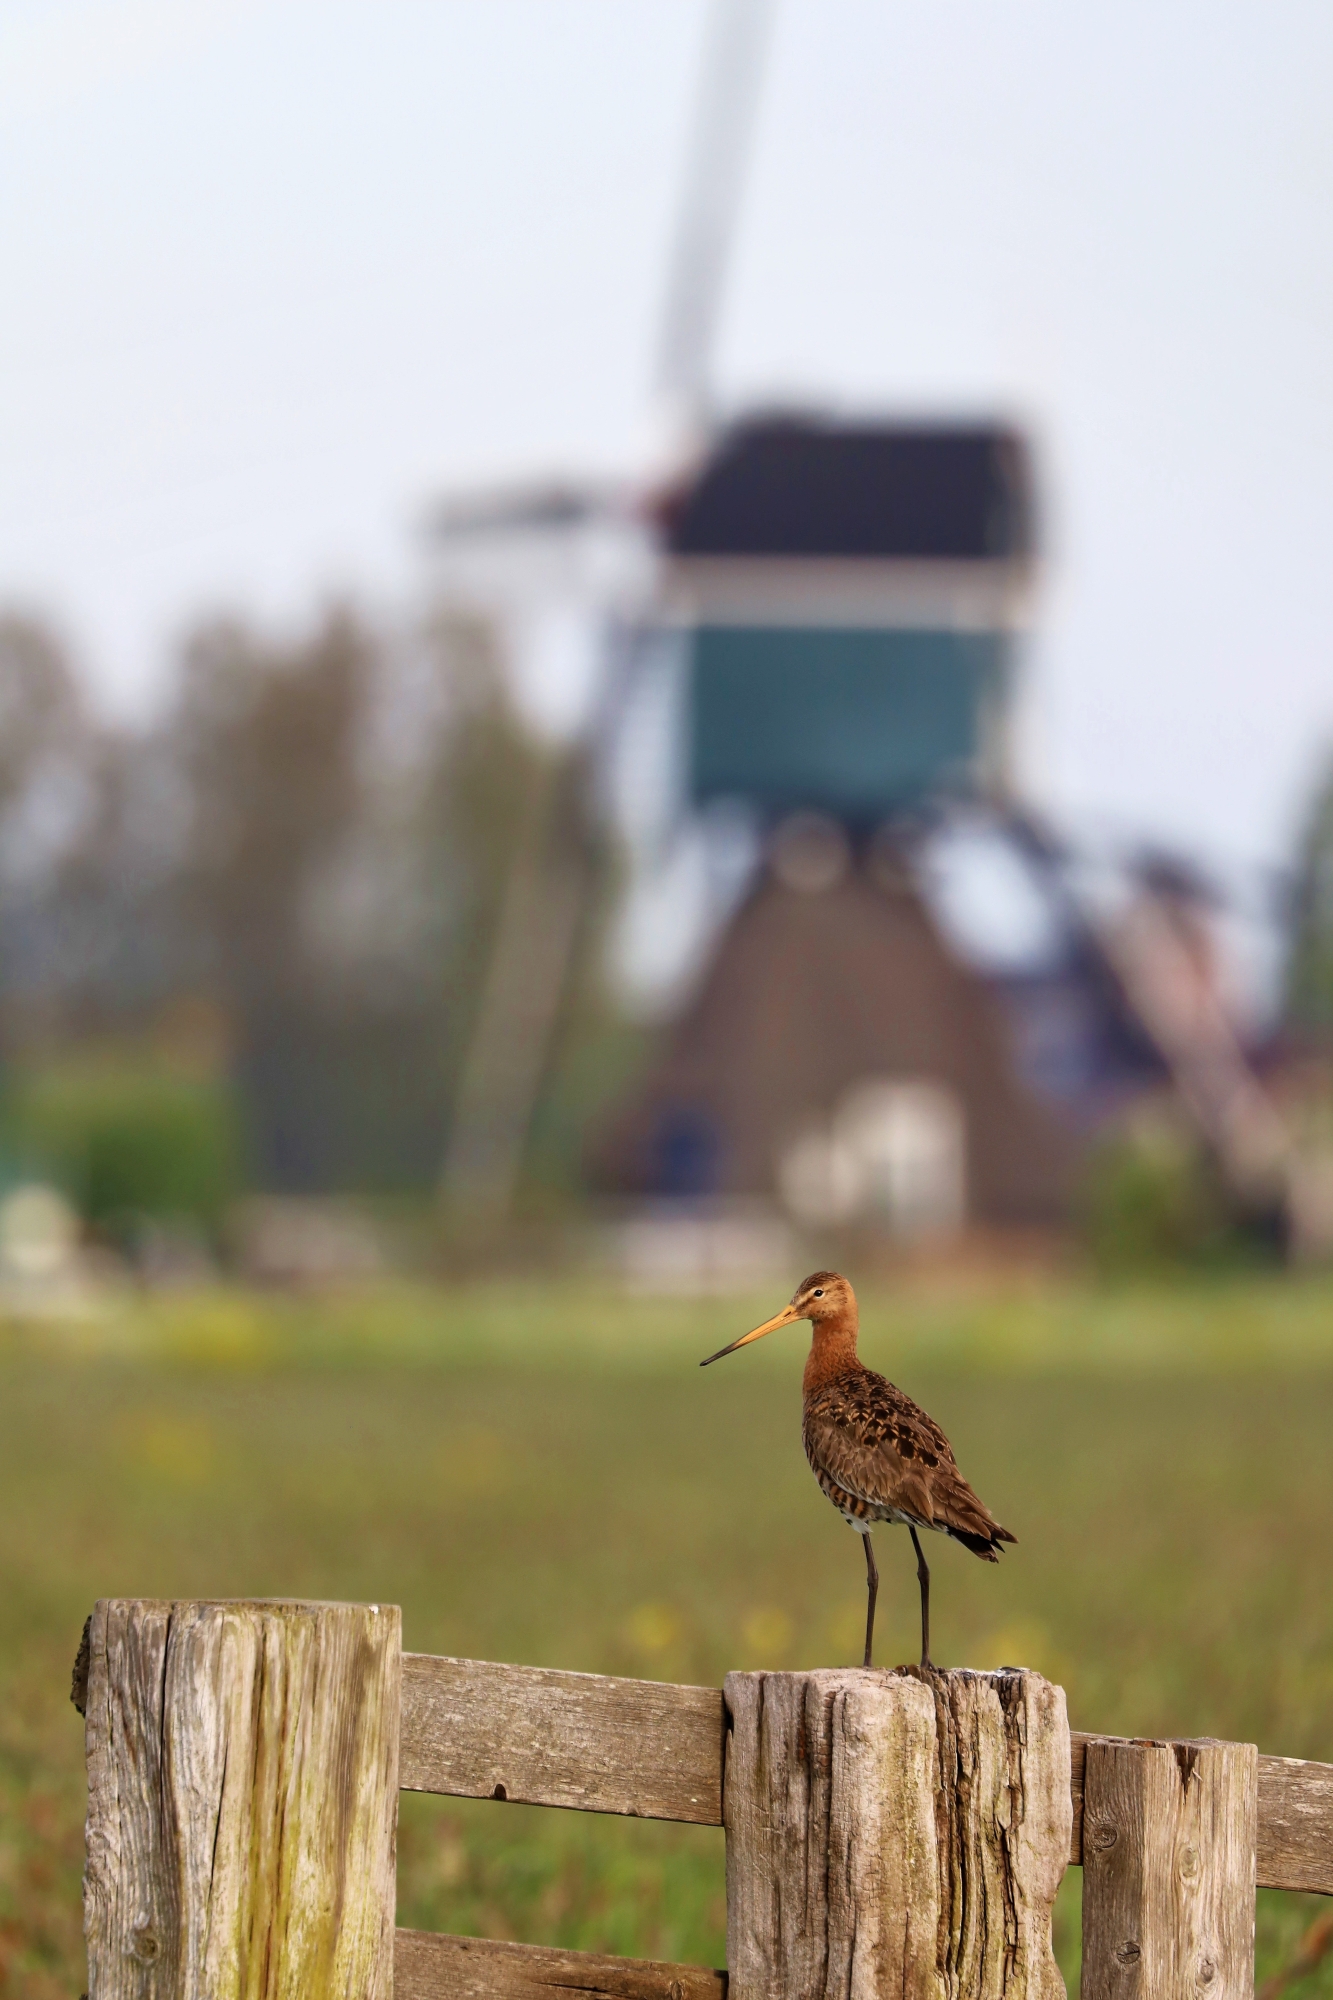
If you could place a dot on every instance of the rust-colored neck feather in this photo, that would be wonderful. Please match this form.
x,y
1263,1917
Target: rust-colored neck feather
x,y
832,1348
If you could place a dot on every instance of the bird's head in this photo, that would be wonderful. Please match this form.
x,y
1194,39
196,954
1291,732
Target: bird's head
x,y
825,1297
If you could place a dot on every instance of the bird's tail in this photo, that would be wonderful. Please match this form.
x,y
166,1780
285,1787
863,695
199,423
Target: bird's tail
x,y
970,1522
985,1546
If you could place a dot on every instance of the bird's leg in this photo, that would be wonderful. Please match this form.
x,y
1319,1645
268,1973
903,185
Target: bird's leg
x,y
923,1578
872,1591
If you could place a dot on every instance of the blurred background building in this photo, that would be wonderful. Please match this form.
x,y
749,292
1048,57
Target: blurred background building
x,y
680,864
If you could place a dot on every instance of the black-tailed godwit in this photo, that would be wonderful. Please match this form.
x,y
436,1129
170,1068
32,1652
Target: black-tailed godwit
x,y
875,1453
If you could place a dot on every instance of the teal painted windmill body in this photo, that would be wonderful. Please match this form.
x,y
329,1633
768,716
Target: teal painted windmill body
x,y
850,596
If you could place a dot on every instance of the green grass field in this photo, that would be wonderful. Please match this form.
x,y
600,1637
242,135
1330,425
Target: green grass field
x,y
547,1477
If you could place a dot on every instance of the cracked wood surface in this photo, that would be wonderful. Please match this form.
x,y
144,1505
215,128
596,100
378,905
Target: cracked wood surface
x,y
477,1729
242,1800
894,1832
1168,1870
429,1965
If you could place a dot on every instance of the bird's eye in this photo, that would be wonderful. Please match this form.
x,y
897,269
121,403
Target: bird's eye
x,y
819,1291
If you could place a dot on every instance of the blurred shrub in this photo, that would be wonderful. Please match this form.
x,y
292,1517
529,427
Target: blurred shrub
x,y
128,1139
1149,1199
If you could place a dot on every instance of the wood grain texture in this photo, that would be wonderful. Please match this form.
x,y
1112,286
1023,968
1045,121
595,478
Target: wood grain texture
x,y
894,1833
1168,1870
1295,1844
480,1730
1078,1751
1003,1778
830,1836
431,1966
242,1800
1295,1847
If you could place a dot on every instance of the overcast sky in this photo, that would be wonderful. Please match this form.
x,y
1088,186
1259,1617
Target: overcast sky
x,y
277,272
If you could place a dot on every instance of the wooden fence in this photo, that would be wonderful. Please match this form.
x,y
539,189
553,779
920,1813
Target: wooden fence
x,y
885,1832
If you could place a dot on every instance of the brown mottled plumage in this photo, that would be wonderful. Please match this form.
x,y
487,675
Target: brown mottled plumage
x,y
875,1453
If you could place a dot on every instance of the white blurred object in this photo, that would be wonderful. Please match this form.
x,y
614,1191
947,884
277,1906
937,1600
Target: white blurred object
x,y
295,1241
895,1152
994,911
39,1235
908,1139
674,1247
820,1181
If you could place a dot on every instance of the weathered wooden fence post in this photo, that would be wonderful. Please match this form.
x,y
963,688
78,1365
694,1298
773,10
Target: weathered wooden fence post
x,y
1169,1834
242,1800
894,1834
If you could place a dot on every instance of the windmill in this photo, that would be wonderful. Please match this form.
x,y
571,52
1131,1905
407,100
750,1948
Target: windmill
x,y
847,602
851,599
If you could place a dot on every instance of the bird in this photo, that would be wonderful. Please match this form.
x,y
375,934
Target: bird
x,y
875,1453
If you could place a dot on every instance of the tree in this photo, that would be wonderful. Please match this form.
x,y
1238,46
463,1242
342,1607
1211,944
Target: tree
x,y
312,847
351,805
1310,965
46,751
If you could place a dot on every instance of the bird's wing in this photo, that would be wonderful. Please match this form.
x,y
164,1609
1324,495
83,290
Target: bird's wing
x,y
876,1413
881,1447
865,1461
892,1414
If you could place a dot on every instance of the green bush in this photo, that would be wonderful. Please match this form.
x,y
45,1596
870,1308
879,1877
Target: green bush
x,y
126,1139
1150,1200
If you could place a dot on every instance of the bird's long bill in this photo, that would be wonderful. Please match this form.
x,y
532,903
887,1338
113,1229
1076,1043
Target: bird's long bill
x,y
784,1318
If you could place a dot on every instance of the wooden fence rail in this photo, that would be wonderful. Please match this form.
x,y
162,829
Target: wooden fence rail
x,y
476,1730
244,1759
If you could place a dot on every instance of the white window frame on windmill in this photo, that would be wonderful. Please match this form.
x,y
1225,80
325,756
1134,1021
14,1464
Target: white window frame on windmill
x,y
893,1155
889,593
